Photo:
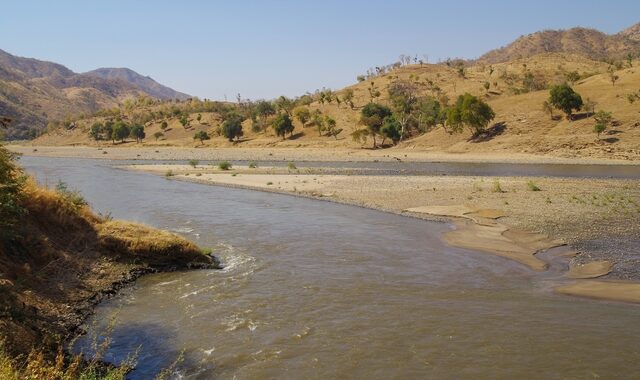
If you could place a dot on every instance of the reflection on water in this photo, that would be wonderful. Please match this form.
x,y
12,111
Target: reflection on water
x,y
313,289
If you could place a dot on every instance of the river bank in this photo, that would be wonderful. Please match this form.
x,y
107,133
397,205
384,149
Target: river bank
x,y
109,151
512,217
63,260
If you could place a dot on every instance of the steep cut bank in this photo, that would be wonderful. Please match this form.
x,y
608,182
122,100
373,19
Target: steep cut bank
x,y
58,259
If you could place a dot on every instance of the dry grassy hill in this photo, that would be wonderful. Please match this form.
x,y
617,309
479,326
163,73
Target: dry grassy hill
x,y
589,43
33,92
527,128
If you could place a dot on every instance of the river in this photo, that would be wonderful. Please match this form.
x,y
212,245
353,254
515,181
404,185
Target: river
x,y
313,289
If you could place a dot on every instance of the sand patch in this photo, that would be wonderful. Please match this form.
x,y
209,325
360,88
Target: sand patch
x,y
590,270
487,235
608,290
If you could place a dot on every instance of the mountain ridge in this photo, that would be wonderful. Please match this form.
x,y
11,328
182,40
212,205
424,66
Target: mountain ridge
x,y
34,92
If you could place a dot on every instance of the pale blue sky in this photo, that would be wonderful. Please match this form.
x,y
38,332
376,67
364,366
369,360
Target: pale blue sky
x,y
262,49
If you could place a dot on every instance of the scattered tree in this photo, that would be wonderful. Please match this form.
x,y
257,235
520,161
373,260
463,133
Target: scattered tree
x,y
137,132
565,99
201,135
347,97
613,77
372,116
232,128
120,131
302,114
603,120
184,121
164,125
96,131
391,129
282,125
158,135
471,112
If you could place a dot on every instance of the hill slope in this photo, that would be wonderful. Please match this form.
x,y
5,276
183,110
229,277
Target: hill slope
x,y
33,92
145,84
589,43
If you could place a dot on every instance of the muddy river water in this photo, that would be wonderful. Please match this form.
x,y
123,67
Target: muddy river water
x,y
316,290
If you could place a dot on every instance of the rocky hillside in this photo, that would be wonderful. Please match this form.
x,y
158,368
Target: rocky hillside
x,y
145,84
33,92
589,43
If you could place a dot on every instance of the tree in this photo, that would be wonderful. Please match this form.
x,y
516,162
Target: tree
x,y
120,131
391,129
265,109
184,121
403,97
565,99
347,97
284,104
137,132
282,125
430,113
302,114
164,125
201,135
199,117
158,134
12,180
629,60
372,117
232,128
96,131
318,121
603,117
331,126
107,130
613,77
471,112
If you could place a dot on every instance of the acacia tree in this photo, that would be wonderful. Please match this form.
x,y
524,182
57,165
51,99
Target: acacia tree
x,y
565,99
372,117
164,125
318,121
137,132
120,131
302,114
96,131
282,125
403,97
347,97
232,127
284,104
157,135
603,120
471,112
392,129
201,135
184,121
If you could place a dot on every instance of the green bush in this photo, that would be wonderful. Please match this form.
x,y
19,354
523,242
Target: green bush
x,y
193,163
253,165
11,183
225,165
70,195
532,186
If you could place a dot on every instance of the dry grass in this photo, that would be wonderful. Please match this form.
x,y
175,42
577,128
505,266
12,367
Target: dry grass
x,y
62,259
528,128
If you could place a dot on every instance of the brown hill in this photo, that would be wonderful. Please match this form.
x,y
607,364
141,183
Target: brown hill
x,y
590,43
527,128
33,92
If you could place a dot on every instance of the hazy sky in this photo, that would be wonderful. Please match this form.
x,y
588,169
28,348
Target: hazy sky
x,y
262,49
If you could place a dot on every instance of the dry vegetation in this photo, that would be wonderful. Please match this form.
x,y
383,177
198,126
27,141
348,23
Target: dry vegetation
x,y
516,91
57,260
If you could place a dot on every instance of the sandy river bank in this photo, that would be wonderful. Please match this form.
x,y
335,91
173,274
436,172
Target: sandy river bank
x,y
513,217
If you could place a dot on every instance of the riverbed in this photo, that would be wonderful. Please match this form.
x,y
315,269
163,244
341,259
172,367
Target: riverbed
x,y
313,289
